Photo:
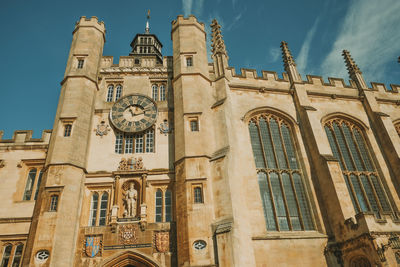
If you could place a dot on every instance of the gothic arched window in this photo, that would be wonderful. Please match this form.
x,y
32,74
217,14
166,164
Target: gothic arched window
x,y
110,93
154,93
285,202
93,209
118,92
360,174
29,184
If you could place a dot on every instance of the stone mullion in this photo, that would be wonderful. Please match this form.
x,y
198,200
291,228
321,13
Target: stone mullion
x,y
273,202
283,145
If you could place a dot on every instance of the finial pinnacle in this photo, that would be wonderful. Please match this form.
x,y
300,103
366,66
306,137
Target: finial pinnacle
x,y
147,30
287,56
352,67
217,43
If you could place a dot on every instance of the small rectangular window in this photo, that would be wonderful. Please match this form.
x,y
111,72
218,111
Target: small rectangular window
x,y
53,203
189,61
80,63
118,143
194,125
67,130
129,144
150,141
139,143
198,194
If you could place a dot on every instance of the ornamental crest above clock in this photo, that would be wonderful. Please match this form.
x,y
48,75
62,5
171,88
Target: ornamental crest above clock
x,y
133,113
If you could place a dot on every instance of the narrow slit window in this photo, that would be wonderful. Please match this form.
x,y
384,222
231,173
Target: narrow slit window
x,y
53,203
168,206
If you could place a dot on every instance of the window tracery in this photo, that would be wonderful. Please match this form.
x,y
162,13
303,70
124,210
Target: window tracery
x,y
12,253
365,188
32,183
285,201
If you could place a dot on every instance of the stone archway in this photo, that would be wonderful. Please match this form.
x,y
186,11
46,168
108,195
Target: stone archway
x,y
129,259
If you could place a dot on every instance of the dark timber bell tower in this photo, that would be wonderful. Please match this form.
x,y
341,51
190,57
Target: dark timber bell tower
x,y
146,44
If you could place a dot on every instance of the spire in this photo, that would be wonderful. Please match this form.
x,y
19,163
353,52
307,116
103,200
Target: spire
x,y
217,43
354,72
219,55
289,63
147,30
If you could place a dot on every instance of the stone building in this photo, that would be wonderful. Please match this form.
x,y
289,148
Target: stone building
x,y
178,161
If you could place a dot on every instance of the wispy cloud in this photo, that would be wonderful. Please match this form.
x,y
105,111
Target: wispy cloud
x,y
192,7
302,58
370,31
235,20
273,54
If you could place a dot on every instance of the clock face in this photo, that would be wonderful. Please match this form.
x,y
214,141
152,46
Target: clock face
x,y
133,113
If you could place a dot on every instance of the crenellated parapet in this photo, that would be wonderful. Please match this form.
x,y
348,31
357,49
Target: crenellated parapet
x,y
90,22
128,64
24,137
181,20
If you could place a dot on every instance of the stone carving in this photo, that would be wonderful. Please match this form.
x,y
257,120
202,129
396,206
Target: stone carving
x,y
127,234
162,242
2,164
131,164
165,128
102,129
130,202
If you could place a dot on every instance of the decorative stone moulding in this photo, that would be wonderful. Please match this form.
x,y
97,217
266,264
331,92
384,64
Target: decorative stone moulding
x,y
131,164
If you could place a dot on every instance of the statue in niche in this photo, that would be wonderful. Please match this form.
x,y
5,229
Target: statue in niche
x,y
130,201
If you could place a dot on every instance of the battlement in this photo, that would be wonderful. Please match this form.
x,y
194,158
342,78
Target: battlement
x,y
334,82
252,74
129,62
190,20
90,22
24,137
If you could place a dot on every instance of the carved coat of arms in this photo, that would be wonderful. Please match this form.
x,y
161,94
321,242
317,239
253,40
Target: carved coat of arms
x,y
135,164
102,129
162,241
127,234
92,245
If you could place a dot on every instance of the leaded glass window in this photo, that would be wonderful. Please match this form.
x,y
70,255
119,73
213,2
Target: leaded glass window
x,y
103,209
118,143
118,92
53,202
280,178
162,92
150,141
93,209
29,184
38,183
129,143
6,255
198,194
139,143
17,255
110,93
362,180
154,94
159,206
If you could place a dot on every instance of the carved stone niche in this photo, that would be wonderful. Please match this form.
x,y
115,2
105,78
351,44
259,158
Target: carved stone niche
x,y
130,197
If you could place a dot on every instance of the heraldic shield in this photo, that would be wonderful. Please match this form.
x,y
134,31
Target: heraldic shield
x,y
162,241
92,246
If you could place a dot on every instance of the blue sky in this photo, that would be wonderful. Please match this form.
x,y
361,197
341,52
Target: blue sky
x,y
36,35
